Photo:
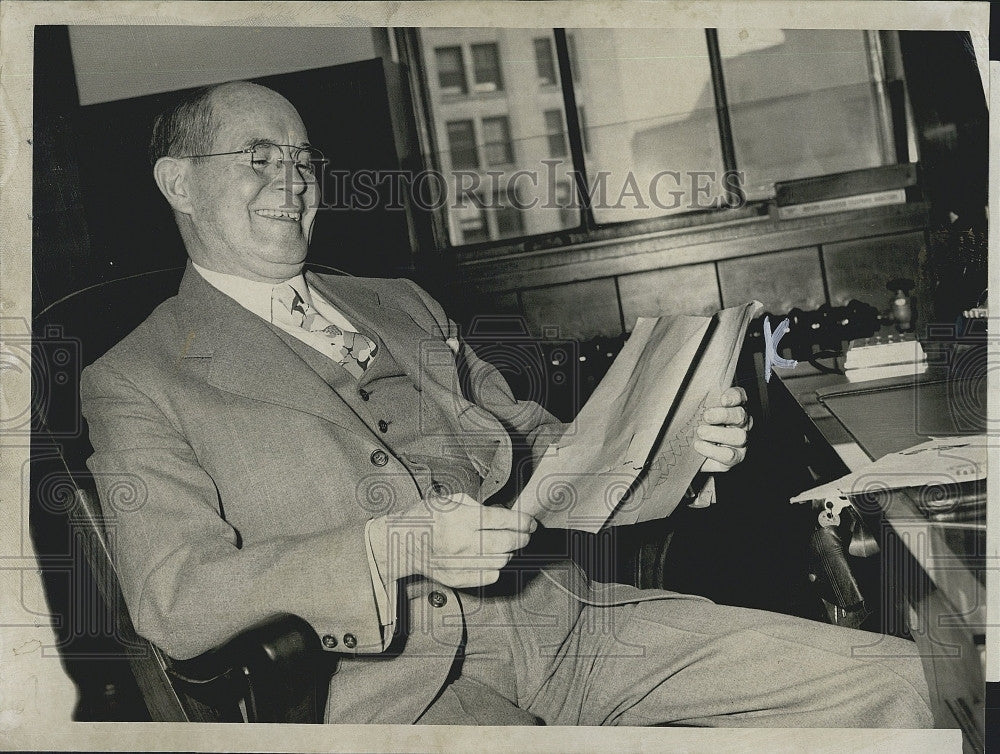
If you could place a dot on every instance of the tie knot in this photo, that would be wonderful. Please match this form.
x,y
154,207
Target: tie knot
x,y
290,304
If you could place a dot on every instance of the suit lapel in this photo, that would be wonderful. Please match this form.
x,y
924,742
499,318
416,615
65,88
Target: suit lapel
x,y
248,357
423,357
365,308
430,364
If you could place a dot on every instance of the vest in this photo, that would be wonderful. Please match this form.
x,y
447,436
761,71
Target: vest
x,y
385,399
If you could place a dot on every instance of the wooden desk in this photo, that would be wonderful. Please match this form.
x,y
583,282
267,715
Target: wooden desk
x,y
935,571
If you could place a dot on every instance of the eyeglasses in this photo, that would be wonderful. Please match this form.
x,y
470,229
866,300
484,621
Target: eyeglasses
x,y
266,157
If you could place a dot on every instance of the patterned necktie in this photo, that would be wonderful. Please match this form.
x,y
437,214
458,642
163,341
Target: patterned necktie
x,y
350,349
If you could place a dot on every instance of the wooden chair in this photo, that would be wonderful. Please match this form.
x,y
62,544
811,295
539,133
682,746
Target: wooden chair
x,y
272,672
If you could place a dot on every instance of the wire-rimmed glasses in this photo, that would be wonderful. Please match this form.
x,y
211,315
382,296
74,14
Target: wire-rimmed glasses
x,y
266,157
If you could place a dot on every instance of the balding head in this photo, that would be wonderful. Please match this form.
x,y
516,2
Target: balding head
x,y
190,127
237,215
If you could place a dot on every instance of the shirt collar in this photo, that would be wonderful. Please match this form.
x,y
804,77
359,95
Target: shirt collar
x,y
251,294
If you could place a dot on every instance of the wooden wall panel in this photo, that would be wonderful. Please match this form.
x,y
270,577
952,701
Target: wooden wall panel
x,y
677,290
781,281
860,269
577,310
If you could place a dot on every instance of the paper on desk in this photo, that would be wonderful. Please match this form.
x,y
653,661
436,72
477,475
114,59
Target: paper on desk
x,y
662,374
938,462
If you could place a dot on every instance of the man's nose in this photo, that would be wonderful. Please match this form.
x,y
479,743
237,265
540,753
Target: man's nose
x,y
290,176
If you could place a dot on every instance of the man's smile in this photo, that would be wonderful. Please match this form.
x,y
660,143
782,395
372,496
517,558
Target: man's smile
x,y
279,214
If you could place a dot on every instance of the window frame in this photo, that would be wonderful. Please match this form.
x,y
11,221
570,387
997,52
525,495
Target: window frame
x,y
483,87
561,132
471,122
551,62
507,142
449,91
588,230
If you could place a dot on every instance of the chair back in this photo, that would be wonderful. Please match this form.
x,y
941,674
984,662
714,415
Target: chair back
x,y
72,533
67,522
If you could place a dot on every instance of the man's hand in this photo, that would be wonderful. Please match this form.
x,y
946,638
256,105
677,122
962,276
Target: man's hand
x,y
451,539
722,435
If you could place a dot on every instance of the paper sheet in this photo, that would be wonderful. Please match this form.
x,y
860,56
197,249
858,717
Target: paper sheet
x,y
652,397
940,462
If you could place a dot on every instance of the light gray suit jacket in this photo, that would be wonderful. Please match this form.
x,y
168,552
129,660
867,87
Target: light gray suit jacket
x,y
237,483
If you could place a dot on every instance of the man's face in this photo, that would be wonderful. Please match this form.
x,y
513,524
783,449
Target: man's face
x,y
255,225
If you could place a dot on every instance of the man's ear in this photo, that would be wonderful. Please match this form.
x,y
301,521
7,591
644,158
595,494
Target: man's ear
x,y
172,178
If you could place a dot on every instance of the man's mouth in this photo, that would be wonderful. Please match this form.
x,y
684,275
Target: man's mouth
x,y
279,214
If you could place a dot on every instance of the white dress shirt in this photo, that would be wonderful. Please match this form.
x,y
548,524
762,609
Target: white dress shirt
x,y
255,297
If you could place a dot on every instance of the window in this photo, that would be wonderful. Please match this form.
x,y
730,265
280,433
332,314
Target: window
x,y
666,154
451,70
556,133
462,144
496,141
657,141
545,61
837,124
510,224
486,68
491,217
564,199
574,66
472,224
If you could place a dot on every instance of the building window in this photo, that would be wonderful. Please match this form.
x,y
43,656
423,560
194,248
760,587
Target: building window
x,y
486,68
497,147
451,70
509,219
462,144
574,65
472,224
568,214
556,133
545,61
799,103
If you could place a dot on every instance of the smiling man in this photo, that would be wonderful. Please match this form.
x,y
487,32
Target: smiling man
x,y
292,454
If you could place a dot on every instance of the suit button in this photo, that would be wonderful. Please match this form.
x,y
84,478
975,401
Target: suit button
x,y
438,489
350,641
364,394
383,425
437,599
329,641
379,458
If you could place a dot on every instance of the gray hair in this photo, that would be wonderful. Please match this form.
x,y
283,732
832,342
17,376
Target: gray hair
x,y
188,128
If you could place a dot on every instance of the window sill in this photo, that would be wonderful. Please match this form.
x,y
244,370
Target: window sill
x,y
595,258
472,96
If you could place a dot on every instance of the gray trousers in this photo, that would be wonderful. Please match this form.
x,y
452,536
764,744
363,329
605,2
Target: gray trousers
x,y
675,661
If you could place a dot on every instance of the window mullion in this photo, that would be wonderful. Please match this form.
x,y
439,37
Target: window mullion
x,y
573,127
722,111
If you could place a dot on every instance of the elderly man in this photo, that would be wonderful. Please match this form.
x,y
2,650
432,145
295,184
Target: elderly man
x,y
294,453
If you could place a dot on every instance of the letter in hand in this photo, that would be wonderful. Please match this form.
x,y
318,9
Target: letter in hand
x,y
724,430
452,539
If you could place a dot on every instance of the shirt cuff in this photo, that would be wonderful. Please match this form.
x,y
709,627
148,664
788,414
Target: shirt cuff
x,y
385,594
706,495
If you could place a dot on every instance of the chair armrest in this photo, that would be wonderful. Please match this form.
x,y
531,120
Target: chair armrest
x,y
275,668
280,639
